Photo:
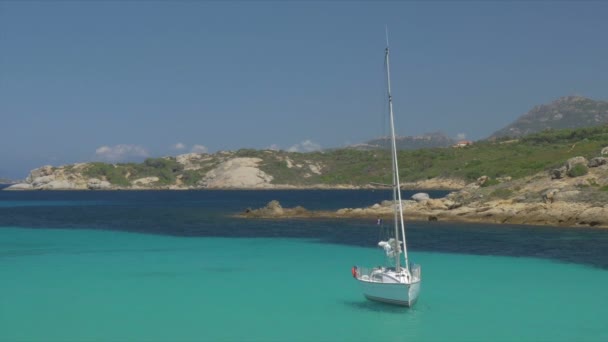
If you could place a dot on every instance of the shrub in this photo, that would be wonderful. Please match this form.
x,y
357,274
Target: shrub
x,y
490,182
578,170
113,174
502,193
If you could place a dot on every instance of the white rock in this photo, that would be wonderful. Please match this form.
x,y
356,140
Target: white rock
x,y
238,173
97,184
20,186
60,185
41,181
192,161
315,168
46,170
145,181
421,196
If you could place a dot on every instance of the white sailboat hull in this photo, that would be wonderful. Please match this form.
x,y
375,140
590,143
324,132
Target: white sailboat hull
x,y
389,285
391,293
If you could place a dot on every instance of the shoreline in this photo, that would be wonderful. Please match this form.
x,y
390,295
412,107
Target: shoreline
x,y
321,215
567,215
278,187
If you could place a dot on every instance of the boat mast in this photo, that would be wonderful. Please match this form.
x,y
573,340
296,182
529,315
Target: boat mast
x,y
396,184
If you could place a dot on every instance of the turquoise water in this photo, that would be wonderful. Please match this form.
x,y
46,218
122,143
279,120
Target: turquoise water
x,y
141,268
97,285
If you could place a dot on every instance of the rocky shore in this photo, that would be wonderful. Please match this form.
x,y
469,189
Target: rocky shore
x,y
222,170
574,195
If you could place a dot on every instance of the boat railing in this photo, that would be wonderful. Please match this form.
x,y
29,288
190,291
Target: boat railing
x,y
366,273
375,274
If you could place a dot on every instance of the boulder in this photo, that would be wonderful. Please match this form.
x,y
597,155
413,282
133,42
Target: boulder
x,y
549,195
604,151
558,173
570,163
421,196
482,180
597,161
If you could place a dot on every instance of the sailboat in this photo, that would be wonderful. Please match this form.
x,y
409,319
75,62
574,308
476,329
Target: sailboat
x,y
399,281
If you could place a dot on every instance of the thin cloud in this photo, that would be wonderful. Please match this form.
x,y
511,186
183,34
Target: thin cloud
x,y
120,152
179,146
199,149
461,136
305,146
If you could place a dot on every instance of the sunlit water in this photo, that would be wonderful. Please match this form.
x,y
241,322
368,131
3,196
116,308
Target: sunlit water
x,y
172,266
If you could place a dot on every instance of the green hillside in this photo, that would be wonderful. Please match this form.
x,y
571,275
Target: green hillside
x,y
514,158
501,158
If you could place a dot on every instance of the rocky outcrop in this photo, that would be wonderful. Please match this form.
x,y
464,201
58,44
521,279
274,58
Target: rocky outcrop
x,y
97,184
20,186
193,161
535,200
55,178
238,173
495,212
145,181
440,183
69,177
274,209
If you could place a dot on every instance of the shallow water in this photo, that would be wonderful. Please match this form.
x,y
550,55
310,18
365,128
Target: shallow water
x,y
172,266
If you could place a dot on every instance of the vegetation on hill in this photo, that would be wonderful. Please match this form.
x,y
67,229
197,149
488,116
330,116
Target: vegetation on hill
x,y
427,140
514,158
501,158
166,169
506,158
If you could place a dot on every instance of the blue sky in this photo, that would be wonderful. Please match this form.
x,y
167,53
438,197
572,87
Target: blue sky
x,y
112,81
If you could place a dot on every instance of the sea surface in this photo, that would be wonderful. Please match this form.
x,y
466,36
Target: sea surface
x,y
177,266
